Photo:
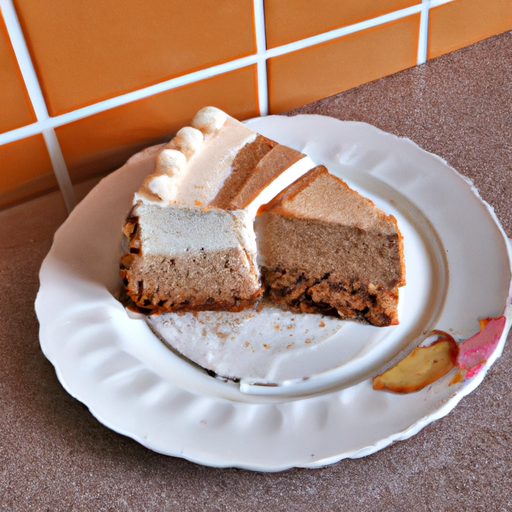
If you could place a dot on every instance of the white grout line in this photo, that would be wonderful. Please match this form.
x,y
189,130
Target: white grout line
x,y
59,168
437,3
423,35
37,99
261,47
259,59
24,60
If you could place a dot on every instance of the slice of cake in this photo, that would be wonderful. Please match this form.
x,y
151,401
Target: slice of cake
x,y
181,260
191,242
325,249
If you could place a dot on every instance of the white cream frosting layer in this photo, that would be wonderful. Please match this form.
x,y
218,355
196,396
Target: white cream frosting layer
x,y
180,230
193,166
208,169
185,231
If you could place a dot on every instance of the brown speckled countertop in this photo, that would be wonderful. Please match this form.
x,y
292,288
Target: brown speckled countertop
x,y
55,456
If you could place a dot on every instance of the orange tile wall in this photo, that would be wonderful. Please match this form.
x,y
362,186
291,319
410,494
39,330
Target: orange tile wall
x,y
306,75
90,83
26,170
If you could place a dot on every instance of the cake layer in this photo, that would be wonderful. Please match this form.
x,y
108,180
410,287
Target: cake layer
x,y
253,170
320,248
243,167
325,249
319,195
331,295
210,166
176,230
190,260
196,281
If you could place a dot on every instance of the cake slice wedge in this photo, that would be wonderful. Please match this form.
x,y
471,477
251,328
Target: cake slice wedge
x,y
180,259
323,248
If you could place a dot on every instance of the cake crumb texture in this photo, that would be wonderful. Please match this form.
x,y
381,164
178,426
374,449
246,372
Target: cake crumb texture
x,y
166,269
325,249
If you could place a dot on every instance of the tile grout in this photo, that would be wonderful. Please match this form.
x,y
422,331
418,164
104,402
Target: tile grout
x,y
189,78
261,65
423,33
60,168
37,100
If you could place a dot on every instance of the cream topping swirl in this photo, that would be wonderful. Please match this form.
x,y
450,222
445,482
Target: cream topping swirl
x,y
163,184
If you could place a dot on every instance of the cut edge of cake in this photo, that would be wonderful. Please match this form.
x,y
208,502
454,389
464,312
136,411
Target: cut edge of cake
x,y
323,248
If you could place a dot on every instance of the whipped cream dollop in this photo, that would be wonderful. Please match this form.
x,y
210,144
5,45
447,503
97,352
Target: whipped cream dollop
x,y
209,120
163,184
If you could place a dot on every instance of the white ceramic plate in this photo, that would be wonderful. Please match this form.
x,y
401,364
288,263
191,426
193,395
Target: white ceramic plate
x,y
458,271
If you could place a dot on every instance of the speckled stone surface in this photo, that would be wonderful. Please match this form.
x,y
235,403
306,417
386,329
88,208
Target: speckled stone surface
x,y
55,456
